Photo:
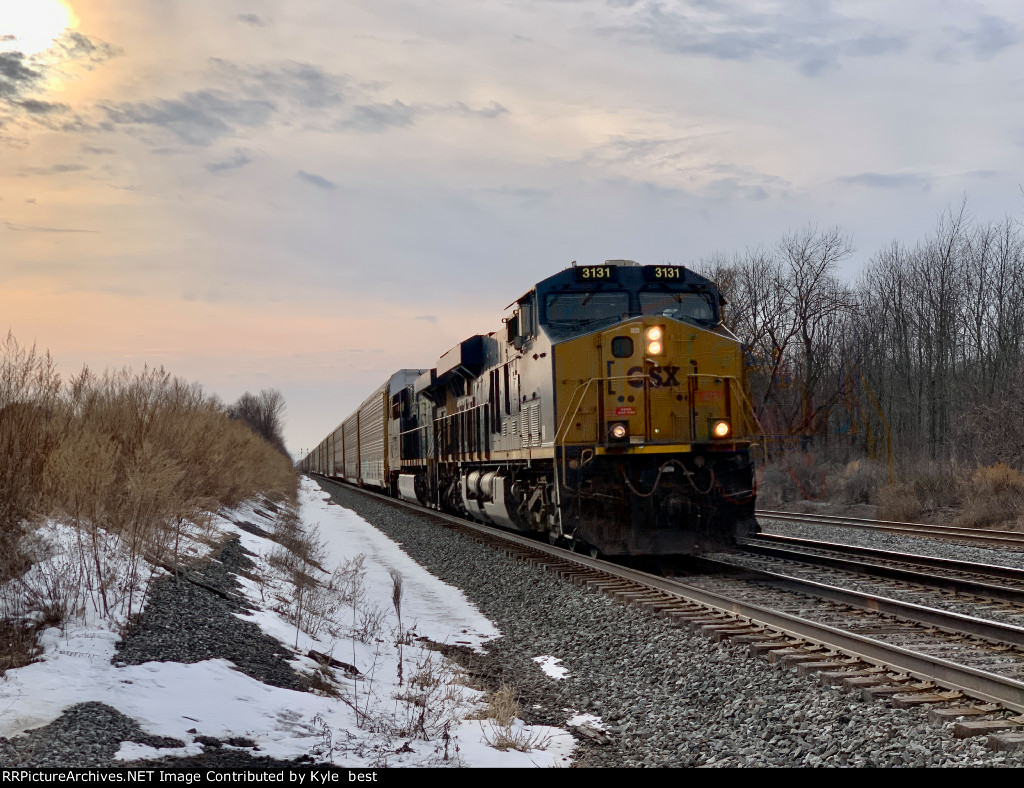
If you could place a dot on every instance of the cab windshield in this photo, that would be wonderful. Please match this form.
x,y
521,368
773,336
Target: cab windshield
x,y
573,311
691,307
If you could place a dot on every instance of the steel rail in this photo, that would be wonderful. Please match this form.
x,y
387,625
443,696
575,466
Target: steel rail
x,y
977,683
794,548
1008,538
946,620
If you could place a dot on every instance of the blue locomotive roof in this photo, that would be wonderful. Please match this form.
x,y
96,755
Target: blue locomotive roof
x,y
584,297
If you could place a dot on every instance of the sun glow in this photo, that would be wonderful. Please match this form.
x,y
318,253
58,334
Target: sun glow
x,y
31,26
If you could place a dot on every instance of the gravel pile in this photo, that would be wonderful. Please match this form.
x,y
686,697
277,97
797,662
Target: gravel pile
x,y
191,619
86,735
668,696
186,619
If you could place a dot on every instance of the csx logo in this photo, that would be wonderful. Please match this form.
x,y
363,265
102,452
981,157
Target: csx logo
x,y
658,377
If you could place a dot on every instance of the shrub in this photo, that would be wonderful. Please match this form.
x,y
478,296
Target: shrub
x,y
861,481
126,459
899,501
997,496
29,391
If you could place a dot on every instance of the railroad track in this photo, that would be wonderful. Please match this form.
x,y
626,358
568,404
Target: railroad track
x,y
880,647
969,535
979,581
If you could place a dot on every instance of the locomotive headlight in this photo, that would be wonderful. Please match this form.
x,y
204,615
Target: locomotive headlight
x,y
720,429
654,340
618,432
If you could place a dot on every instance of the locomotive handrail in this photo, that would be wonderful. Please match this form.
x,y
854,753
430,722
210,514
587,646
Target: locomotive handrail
x,y
732,379
585,386
572,397
748,409
753,414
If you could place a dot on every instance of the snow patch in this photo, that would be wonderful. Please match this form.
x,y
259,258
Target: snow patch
x,y
551,666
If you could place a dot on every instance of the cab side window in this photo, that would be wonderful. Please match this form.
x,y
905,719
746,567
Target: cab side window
x,y
522,324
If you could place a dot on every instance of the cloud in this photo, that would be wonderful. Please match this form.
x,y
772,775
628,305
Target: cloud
x,y
56,169
302,83
492,110
252,19
95,150
877,180
15,76
236,162
20,228
990,36
426,318
808,33
678,164
37,107
317,180
380,117
199,118
20,76
80,48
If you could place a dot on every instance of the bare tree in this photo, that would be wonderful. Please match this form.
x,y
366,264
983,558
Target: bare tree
x,y
264,414
816,299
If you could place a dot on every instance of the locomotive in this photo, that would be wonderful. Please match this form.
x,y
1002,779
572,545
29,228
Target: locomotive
x,y
608,413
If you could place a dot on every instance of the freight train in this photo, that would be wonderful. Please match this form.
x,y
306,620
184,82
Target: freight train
x,y
608,413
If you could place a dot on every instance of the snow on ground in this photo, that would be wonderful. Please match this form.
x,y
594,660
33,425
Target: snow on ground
x,y
356,623
550,666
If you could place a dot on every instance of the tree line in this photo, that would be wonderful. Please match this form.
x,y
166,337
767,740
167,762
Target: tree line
x,y
923,351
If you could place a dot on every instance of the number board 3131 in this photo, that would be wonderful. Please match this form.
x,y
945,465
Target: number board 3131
x,y
595,273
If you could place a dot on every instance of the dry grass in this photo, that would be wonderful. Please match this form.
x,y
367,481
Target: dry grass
x,y
996,499
898,501
126,459
29,394
985,496
431,703
502,733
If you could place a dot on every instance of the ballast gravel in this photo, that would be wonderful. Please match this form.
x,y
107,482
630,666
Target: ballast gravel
x,y
186,619
667,695
192,618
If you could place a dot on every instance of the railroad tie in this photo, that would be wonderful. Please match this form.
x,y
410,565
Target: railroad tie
x,y
766,646
925,698
888,691
939,716
788,657
857,683
839,677
1005,742
968,728
813,668
730,633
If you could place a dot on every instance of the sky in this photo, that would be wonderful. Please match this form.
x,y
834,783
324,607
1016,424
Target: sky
x,y
310,195
212,698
